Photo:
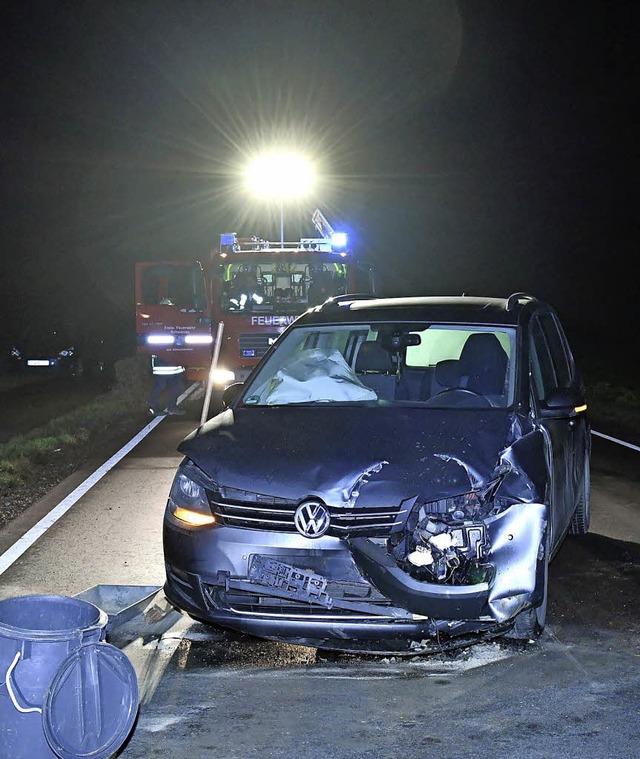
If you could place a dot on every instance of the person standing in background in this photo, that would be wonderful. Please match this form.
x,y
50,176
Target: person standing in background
x,y
169,378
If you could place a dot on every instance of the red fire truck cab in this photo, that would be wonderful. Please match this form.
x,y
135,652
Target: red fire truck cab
x,y
173,314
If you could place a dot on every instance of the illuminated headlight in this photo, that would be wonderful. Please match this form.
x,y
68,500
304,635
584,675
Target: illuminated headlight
x,y
67,352
222,376
160,339
188,502
15,353
198,339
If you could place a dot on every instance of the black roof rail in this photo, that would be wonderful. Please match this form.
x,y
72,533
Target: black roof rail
x,y
337,299
514,299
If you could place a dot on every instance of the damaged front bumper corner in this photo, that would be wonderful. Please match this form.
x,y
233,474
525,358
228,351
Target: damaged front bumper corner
x,y
518,552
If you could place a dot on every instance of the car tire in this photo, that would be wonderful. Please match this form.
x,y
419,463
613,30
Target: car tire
x,y
582,514
529,624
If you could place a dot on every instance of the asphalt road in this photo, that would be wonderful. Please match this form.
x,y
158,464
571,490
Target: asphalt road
x,y
575,693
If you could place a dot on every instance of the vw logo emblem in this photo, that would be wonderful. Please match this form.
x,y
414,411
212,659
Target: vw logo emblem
x,y
312,519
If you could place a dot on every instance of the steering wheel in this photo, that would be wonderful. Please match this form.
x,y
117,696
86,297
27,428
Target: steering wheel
x,y
461,392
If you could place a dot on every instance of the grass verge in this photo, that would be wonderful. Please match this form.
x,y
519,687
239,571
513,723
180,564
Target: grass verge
x,y
614,409
72,435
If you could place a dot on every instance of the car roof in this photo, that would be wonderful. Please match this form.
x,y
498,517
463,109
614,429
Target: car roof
x,y
458,308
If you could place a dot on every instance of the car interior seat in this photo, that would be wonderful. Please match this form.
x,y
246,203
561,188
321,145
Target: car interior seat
x,y
446,375
483,361
375,369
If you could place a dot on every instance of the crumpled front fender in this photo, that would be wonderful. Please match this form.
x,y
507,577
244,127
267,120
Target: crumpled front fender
x,y
519,553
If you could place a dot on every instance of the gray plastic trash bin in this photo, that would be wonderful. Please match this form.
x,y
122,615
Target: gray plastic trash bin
x,y
64,691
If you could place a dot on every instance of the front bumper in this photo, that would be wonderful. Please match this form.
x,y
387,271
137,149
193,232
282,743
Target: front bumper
x,y
344,591
208,575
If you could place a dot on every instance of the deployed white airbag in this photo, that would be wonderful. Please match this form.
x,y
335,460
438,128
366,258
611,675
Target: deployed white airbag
x,y
317,374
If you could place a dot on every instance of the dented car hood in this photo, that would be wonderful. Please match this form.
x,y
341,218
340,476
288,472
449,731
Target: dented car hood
x,y
379,453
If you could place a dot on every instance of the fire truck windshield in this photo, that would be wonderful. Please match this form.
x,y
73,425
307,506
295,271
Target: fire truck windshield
x,y
279,286
173,284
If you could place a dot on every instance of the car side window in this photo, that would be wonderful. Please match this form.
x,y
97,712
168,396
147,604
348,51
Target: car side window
x,y
559,350
550,364
541,367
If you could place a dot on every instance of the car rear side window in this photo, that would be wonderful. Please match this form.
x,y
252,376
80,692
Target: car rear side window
x,y
550,360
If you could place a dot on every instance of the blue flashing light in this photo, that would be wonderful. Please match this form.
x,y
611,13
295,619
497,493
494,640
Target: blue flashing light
x,y
227,239
339,240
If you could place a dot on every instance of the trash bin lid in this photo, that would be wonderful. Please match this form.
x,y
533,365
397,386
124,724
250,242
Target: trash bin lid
x,y
91,704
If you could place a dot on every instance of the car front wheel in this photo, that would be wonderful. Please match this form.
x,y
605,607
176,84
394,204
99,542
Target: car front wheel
x,y
529,624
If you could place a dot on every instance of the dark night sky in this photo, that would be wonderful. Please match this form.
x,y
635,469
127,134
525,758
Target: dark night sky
x,y
481,147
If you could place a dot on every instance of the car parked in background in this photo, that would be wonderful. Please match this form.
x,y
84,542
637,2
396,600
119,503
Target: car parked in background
x,y
395,474
48,349
65,350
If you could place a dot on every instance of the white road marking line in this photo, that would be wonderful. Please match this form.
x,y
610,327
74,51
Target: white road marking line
x,y
29,538
615,440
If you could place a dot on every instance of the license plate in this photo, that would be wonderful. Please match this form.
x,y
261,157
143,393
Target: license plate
x,y
291,580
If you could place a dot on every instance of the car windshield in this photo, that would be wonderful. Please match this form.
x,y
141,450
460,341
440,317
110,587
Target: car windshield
x,y
433,365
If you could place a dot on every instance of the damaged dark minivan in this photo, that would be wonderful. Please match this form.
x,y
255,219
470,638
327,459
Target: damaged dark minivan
x,y
395,475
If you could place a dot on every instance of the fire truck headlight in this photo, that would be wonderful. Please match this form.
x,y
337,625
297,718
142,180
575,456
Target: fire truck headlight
x,y
198,339
222,376
160,339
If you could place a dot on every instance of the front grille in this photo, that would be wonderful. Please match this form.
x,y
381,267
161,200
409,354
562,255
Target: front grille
x,y
250,602
253,511
255,344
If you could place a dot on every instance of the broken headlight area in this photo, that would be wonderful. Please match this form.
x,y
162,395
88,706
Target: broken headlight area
x,y
446,541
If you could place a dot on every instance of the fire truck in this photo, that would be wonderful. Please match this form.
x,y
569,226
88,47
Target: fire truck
x,y
249,292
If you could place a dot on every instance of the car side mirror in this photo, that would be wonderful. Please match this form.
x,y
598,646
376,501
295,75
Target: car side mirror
x,y
231,393
563,401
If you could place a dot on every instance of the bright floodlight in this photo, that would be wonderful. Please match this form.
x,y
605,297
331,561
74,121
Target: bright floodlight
x,y
280,176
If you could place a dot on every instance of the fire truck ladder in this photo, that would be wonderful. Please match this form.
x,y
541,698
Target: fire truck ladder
x,y
321,224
